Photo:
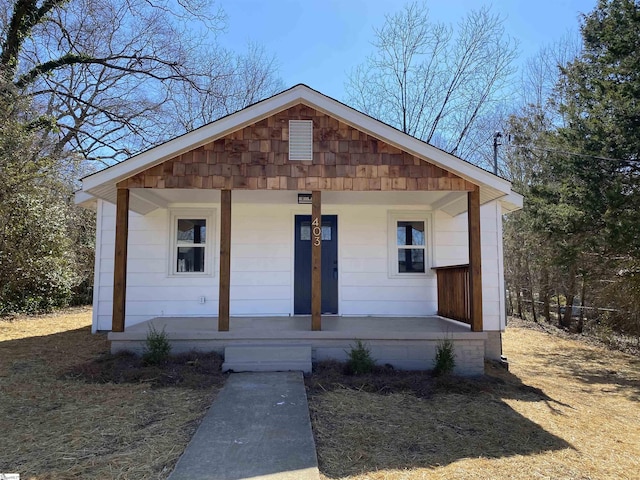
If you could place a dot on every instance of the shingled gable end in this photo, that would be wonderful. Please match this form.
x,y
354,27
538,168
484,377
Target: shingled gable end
x,y
256,158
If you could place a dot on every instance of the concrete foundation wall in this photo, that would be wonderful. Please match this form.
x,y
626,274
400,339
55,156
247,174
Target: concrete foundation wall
x,y
413,355
401,354
493,346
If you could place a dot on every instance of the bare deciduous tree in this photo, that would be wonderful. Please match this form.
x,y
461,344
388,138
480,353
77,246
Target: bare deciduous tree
x,y
433,81
541,72
106,72
243,79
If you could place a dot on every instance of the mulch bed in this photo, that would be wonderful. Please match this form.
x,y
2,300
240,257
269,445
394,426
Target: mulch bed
x,y
194,370
385,380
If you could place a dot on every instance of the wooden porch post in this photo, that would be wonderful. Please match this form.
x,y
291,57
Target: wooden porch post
x,y
475,263
225,260
316,261
120,260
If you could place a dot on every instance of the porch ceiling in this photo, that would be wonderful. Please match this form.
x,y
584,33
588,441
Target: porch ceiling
x,y
146,200
149,199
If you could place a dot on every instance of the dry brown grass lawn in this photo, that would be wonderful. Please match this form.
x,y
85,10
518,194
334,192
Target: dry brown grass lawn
x,y
57,426
565,410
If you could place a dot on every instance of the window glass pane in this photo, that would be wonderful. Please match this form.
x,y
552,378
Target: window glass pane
x,y
411,260
305,230
326,232
192,230
410,233
190,259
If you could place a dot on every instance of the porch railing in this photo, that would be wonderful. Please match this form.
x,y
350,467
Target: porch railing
x,y
453,292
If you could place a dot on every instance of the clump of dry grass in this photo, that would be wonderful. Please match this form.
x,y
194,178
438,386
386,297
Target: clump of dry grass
x,y
565,410
56,424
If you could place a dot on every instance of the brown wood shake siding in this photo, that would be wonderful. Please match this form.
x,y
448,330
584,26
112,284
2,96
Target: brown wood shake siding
x,y
256,158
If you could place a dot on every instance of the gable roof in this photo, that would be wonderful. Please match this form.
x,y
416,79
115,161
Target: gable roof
x,y
102,184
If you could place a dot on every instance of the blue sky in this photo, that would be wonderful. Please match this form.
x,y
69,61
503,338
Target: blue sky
x,y
319,42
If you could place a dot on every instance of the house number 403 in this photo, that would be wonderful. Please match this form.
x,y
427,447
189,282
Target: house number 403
x,y
316,232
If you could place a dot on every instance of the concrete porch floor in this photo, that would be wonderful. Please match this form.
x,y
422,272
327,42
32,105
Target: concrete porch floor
x,y
404,342
298,327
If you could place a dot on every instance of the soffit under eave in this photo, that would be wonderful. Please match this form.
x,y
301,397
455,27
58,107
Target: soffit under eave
x,y
459,206
137,204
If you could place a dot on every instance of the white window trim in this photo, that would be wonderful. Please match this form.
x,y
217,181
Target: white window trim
x,y
210,216
395,216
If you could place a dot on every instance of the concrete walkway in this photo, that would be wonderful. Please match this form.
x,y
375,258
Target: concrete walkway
x,y
258,427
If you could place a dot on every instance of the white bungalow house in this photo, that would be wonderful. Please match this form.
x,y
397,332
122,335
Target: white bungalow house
x,y
285,231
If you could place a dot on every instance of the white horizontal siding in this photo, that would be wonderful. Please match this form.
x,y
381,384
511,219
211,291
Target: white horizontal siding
x,y
160,308
362,251
262,292
155,280
166,293
364,265
387,293
256,263
396,309
366,288
365,279
262,264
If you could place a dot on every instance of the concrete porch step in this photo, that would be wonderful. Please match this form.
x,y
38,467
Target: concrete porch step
x,y
267,358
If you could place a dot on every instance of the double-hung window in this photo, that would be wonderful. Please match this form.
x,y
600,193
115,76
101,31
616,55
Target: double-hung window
x,y
192,242
409,244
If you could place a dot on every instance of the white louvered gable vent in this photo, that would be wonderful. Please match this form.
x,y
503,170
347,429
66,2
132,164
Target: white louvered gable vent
x,y
300,139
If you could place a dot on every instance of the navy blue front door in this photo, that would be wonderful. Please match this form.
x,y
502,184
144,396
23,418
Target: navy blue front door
x,y
302,265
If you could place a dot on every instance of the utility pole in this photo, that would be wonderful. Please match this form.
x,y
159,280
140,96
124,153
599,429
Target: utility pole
x,y
496,144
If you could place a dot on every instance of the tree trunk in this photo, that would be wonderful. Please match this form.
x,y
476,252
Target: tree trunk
x,y
559,311
519,302
533,307
570,295
530,282
568,310
545,294
581,318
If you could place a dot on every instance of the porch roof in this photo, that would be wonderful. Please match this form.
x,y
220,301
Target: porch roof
x,y
102,184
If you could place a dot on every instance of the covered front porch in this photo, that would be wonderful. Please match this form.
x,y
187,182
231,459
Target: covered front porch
x,y
403,342
300,205
458,287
